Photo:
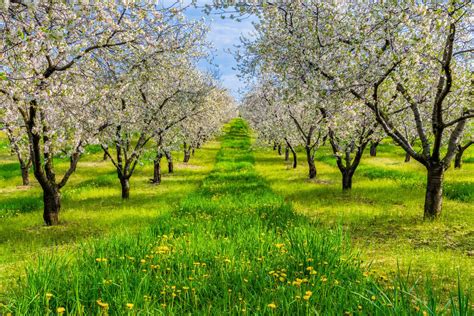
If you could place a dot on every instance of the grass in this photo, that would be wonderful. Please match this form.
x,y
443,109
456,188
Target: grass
x,y
91,206
383,213
233,246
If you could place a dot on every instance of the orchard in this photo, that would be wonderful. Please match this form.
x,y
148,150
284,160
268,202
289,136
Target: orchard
x,y
219,157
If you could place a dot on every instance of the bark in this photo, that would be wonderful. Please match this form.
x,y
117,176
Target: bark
x,y
169,158
407,157
279,149
347,180
125,184
373,149
311,165
434,192
52,205
287,153
458,160
187,153
25,175
105,156
157,169
459,153
187,156
274,146
295,160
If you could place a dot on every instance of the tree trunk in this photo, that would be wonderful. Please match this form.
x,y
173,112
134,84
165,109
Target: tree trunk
x,y
279,149
52,205
25,175
407,157
169,158
274,146
187,156
311,165
434,192
458,160
192,151
157,170
347,180
287,153
105,156
373,149
295,160
125,183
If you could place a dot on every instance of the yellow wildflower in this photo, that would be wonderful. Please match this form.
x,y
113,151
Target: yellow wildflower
x,y
129,305
272,305
373,298
102,304
60,310
49,296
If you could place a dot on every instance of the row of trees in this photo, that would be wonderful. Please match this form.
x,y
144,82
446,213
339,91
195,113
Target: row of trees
x,y
350,73
121,76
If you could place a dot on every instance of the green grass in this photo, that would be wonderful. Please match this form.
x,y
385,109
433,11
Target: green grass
x,y
233,246
384,212
91,206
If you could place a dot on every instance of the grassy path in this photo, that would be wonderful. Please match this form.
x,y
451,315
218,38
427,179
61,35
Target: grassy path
x,y
232,247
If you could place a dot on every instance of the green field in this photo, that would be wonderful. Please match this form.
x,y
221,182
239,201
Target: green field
x,y
237,231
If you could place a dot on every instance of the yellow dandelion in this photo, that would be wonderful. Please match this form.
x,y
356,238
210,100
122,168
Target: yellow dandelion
x,y
185,288
60,310
49,296
129,305
272,305
102,305
373,298
279,245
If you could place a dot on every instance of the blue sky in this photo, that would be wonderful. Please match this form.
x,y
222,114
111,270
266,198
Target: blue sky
x,y
224,34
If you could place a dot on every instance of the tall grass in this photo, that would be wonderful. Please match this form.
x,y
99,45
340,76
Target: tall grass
x,y
232,247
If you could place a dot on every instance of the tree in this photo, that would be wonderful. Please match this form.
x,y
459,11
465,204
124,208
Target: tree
x,y
404,60
48,68
11,125
464,144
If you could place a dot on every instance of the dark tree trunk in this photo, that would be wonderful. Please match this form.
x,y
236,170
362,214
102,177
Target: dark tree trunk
x,y
347,180
458,160
373,149
169,158
125,183
157,170
274,146
311,165
187,152
434,192
25,175
407,157
187,156
279,149
192,151
105,156
52,205
287,153
295,160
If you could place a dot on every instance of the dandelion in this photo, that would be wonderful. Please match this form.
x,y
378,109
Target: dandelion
x,y
129,305
359,307
307,295
185,288
49,296
279,245
373,298
102,305
60,310
272,306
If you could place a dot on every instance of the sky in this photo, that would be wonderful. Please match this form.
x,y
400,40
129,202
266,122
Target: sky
x,y
224,34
